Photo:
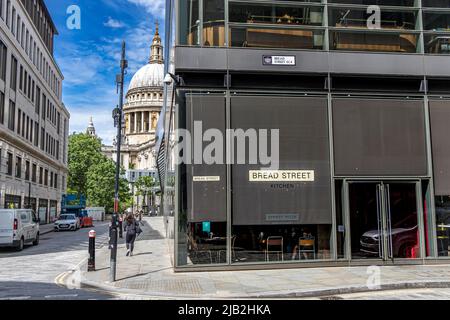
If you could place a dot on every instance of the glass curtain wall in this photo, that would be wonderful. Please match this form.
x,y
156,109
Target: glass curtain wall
x,y
436,26
440,117
397,26
237,214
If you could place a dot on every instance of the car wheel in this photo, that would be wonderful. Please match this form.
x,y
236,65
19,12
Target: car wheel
x,y
36,241
21,244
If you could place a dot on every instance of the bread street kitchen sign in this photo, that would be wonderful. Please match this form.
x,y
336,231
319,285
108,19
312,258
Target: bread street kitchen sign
x,y
281,176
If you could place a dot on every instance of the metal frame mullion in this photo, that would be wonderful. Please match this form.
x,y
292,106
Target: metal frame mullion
x,y
228,178
420,221
200,27
226,24
333,242
346,212
326,36
432,213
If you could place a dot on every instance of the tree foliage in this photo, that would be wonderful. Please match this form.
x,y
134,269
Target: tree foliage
x,y
144,184
100,185
84,151
93,174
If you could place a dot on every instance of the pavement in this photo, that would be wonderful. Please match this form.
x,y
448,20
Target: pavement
x,y
149,275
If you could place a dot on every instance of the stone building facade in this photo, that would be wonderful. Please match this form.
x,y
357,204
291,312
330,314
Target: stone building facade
x,y
34,122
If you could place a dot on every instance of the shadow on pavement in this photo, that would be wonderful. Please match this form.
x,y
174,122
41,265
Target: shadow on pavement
x,y
15,290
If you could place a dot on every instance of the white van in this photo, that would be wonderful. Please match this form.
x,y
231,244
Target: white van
x,y
18,227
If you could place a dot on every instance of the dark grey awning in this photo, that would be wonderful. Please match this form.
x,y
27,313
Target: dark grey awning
x,y
379,137
440,120
304,145
206,200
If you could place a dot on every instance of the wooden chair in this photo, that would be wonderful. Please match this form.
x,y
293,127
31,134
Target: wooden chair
x,y
306,245
274,242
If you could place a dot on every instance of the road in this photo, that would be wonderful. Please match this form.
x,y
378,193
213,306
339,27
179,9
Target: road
x,y
32,273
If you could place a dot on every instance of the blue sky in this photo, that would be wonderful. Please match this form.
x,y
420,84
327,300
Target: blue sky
x,y
89,57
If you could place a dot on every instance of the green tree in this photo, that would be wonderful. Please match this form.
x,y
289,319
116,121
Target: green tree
x,y
100,185
84,151
144,187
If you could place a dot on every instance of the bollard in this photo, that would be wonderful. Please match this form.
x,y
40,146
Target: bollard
x,y
91,261
120,228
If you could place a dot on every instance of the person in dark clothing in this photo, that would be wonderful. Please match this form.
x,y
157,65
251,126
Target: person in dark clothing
x,y
132,229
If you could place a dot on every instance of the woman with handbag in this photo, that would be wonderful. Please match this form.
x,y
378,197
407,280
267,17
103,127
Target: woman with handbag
x,y
132,229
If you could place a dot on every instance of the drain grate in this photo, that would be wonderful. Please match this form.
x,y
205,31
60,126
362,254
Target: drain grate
x,y
169,286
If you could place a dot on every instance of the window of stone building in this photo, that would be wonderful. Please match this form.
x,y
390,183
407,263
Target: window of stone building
x,y
2,107
12,115
33,172
18,167
19,118
9,163
13,83
27,170
3,58
41,175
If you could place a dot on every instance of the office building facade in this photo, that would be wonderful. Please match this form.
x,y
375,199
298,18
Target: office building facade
x,y
34,122
360,93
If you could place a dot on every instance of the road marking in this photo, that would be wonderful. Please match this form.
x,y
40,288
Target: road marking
x,y
61,296
59,279
17,298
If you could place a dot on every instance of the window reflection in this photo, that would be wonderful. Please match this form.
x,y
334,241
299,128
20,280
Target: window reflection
x,y
265,243
276,38
358,18
189,22
437,43
207,242
374,41
276,14
443,224
213,23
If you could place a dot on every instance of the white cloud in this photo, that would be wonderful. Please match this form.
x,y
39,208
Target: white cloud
x,y
138,41
155,7
103,123
115,24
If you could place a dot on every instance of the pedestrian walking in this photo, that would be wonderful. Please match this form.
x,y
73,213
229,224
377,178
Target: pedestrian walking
x,y
132,229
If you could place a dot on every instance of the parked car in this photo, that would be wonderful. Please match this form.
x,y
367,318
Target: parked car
x,y
18,227
67,222
404,235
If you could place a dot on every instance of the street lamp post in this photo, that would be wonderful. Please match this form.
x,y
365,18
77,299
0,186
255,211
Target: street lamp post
x,y
132,197
117,114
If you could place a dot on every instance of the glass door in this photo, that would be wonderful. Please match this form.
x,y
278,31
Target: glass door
x,y
384,222
402,221
365,220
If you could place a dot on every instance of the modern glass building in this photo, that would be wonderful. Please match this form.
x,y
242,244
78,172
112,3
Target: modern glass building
x,y
360,93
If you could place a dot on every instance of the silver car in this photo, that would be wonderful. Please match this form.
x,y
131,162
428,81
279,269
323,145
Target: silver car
x,y
67,222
